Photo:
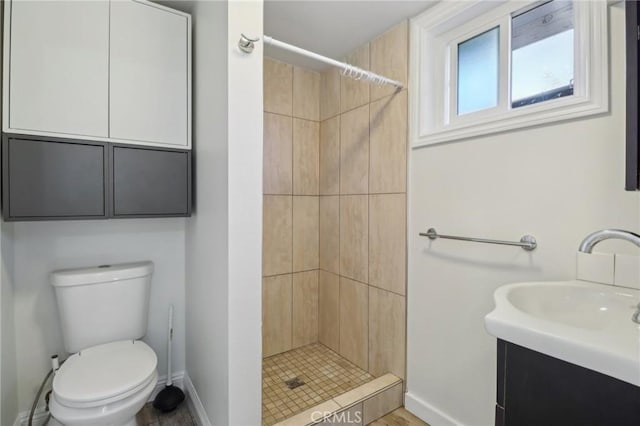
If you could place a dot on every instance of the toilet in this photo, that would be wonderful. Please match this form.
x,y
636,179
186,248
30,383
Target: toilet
x,y
111,374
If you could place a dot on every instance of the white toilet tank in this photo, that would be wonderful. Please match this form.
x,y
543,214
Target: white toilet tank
x,y
103,304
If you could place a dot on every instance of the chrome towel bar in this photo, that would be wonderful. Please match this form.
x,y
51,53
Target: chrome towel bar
x,y
528,242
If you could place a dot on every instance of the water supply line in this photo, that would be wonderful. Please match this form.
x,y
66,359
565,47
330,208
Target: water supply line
x,y
55,366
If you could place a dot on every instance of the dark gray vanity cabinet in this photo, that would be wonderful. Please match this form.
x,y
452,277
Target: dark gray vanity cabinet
x,y
535,389
56,179
46,179
150,182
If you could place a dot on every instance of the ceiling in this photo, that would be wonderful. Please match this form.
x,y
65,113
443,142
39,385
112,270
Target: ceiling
x,y
330,27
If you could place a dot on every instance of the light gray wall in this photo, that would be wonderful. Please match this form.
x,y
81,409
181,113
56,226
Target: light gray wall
x,y
207,231
41,247
557,182
8,376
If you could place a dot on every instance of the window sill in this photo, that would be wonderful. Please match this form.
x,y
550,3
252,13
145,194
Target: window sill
x,y
520,118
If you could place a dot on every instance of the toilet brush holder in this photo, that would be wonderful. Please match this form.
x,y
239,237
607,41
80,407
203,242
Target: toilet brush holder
x,y
171,396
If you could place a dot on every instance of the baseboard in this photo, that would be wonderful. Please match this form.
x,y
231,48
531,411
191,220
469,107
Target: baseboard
x,y
195,405
39,417
428,412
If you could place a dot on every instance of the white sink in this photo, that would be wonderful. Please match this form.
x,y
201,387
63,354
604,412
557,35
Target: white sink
x,y
580,322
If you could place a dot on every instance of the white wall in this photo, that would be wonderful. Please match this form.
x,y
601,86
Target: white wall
x,y
557,182
245,216
41,247
223,242
207,232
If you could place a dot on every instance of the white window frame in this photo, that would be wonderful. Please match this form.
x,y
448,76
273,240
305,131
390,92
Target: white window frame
x,y
435,35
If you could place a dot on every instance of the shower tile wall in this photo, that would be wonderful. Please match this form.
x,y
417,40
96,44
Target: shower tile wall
x,y
291,207
334,231
362,186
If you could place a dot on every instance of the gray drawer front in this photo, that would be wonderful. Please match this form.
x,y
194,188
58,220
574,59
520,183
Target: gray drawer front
x,y
54,180
150,182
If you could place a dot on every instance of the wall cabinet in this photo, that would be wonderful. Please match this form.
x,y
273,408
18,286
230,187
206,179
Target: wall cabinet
x,y
148,74
150,182
65,180
535,389
109,71
55,179
57,58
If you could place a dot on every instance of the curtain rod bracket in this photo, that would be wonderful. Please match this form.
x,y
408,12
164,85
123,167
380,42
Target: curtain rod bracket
x,y
247,44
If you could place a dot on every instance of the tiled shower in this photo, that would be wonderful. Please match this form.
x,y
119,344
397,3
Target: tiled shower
x,y
334,224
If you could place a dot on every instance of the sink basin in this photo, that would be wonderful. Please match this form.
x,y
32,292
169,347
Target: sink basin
x,y
577,304
580,322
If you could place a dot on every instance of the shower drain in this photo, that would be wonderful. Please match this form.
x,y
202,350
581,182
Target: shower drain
x,y
294,383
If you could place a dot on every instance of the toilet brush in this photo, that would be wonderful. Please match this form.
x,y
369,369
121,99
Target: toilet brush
x,y
171,396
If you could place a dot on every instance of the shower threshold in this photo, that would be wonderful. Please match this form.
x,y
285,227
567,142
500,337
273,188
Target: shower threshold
x,y
299,383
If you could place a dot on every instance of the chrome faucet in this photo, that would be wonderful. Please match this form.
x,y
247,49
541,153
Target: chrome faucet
x,y
586,246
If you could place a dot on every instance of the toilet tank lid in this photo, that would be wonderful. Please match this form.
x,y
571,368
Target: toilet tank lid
x,y
101,274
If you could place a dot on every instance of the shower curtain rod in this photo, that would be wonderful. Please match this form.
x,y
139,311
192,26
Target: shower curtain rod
x,y
347,69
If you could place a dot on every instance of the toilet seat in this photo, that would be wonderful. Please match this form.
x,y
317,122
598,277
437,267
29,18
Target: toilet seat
x,y
105,374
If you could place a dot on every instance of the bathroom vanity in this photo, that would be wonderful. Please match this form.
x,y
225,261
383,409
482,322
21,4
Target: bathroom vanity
x,y
567,354
536,389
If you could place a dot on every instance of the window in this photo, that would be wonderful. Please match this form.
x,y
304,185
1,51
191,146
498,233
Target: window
x,y
542,53
483,67
478,72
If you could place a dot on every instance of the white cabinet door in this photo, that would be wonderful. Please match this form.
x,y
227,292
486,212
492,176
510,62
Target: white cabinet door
x,y
149,74
58,79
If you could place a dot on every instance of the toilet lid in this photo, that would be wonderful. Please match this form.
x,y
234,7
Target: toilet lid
x,y
105,371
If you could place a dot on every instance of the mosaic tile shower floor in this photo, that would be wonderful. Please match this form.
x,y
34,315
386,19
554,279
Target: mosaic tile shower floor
x,y
325,375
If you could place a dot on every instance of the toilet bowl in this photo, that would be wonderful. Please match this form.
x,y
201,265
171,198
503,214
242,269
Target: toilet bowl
x,y
104,385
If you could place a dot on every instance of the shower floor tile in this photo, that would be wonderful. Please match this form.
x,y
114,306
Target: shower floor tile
x,y
325,375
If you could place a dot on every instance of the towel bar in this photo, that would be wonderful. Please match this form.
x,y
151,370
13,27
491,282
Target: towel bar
x,y
527,242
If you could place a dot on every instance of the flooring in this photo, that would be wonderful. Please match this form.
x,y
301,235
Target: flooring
x,y
181,416
399,417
